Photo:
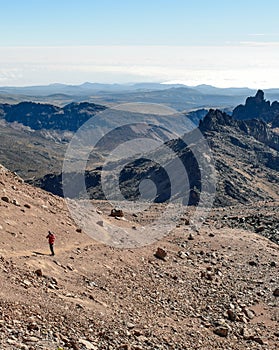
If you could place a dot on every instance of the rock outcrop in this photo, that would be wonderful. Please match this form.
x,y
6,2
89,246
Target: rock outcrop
x,y
257,108
246,157
39,116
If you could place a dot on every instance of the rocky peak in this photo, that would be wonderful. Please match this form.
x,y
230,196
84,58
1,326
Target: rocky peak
x,y
257,103
256,107
215,119
221,122
259,96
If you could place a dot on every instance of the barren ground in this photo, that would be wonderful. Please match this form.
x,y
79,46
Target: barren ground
x,y
216,289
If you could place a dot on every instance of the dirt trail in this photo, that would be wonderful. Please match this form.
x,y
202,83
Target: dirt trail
x,y
214,290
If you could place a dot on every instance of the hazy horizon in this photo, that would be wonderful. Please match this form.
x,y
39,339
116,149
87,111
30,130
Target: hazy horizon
x,y
133,83
220,44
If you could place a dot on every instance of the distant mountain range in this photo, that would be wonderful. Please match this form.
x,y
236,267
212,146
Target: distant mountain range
x,y
88,88
245,147
245,152
178,96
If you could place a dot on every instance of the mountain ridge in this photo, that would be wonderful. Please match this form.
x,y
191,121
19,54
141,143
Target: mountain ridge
x,y
178,96
233,141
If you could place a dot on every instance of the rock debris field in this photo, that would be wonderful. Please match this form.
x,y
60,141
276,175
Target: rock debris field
x,y
215,288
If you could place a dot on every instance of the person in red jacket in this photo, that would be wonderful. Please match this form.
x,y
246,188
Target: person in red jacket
x,y
51,239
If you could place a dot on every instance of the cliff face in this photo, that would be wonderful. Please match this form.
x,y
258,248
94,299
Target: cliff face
x,y
246,157
46,116
245,151
221,122
257,108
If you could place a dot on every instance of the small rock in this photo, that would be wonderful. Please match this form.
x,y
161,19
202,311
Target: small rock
x,y
276,292
74,345
26,283
51,286
33,327
124,347
250,314
31,339
222,331
161,254
130,325
28,206
39,273
246,333
187,222
117,212
207,275
100,223
231,315
5,199
257,339
15,202
182,255
242,318
87,344
138,332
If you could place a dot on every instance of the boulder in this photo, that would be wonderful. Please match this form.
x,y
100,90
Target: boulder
x,y
5,199
116,212
39,272
222,331
161,253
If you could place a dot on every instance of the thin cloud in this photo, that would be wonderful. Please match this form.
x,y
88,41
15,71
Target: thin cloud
x,y
260,43
249,63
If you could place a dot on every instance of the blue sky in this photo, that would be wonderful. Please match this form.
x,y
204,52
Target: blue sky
x,y
192,30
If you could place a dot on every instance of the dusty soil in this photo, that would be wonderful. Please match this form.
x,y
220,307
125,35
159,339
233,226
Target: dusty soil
x,y
216,288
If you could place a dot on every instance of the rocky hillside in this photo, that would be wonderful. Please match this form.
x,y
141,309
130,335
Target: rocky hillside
x,y
245,155
39,116
258,108
244,147
246,158
35,136
217,288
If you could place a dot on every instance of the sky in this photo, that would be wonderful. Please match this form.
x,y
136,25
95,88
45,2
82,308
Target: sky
x,y
222,43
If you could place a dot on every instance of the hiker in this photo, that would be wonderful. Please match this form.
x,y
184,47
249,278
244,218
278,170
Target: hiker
x,y
51,239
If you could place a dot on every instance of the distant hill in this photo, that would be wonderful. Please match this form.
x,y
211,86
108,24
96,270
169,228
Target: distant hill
x,y
34,136
178,96
45,116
